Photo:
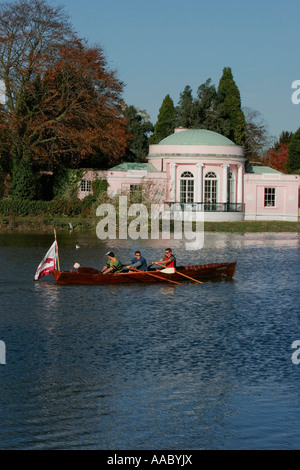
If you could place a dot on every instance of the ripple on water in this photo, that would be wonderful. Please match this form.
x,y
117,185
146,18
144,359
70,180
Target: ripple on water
x,y
155,367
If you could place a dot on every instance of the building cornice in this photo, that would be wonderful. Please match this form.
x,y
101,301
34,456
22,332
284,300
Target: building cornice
x,y
184,157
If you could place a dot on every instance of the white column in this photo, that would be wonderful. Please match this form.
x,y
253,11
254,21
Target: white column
x,y
199,182
173,182
240,185
225,184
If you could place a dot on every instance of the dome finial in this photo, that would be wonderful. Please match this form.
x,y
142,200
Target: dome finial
x,y
180,129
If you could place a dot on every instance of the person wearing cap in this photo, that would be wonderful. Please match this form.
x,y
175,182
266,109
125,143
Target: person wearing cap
x,y
113,265
169,260
138,262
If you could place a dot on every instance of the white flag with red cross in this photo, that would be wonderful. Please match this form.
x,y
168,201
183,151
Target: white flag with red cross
x,y
48,263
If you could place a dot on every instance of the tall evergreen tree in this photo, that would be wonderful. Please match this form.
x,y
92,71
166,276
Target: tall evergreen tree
x,y
284,138
230,106
138,127
185,109
166,121
293,163
205,106
203,112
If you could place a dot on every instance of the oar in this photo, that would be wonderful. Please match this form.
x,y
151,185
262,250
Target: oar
x,y
168,270
181,274
154,275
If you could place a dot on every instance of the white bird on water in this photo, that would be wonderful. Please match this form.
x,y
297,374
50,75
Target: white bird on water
x,y
77,246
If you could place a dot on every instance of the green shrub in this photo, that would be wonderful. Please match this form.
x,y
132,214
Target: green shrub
x,y
14,207
23,184
2,183
21,207
99,186
63,207
88,201
66,184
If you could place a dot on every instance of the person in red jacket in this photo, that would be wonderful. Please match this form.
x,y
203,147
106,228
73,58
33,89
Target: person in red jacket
x,y
169,260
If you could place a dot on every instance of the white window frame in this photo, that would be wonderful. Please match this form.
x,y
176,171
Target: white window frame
x,y
269,196
85,186
209,178
187,187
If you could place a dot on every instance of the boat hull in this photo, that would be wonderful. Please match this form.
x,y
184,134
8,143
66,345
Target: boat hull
x,y
91,276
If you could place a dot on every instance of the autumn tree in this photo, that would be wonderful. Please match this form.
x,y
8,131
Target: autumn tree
x,y
63,104
166,121
278,154
230,107
257,139
278,158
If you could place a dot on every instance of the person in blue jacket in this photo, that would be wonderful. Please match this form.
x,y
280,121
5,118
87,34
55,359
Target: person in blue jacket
x,y
138,262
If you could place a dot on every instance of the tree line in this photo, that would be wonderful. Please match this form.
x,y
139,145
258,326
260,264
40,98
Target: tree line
x,y
219,110
216,110
64,107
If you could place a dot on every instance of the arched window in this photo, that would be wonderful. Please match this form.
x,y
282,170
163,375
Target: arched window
x,y
187,187
210,187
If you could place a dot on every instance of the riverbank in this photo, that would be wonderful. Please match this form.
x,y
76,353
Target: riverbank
x,y
63,223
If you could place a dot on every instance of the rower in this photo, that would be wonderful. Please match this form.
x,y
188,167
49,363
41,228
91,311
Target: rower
x,y
138,262
169,260
113,265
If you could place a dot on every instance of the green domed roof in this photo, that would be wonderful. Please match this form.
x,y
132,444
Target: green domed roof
x,y
196,137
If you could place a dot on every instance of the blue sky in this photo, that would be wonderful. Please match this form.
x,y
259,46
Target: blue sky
x,y
160,46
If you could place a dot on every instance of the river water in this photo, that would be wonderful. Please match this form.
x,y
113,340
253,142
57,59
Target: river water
x,y
151,366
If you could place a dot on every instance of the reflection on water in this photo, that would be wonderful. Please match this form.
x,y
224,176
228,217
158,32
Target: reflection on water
x,y
48,295
236,240
151,366
167,290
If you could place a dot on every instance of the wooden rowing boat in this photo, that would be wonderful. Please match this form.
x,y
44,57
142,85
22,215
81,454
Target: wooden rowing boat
x,y
91,276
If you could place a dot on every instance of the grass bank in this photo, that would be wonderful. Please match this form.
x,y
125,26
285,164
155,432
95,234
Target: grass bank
x,y
79,223
253,226
44,223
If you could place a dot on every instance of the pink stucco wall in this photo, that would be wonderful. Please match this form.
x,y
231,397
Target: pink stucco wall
x,y
190,164
120,181
286,202
90,175
253,186
221,150
171,161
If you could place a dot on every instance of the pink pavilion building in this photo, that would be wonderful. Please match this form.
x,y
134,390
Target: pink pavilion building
x,y
204,172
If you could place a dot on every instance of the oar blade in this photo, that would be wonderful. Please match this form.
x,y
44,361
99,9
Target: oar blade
x,y
168,270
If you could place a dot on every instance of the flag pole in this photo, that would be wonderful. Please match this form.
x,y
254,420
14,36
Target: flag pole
x,y
56,250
